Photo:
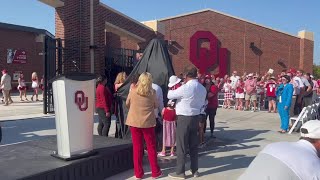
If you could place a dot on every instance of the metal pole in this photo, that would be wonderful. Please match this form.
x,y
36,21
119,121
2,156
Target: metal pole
x,y
91,38
45,79
59,56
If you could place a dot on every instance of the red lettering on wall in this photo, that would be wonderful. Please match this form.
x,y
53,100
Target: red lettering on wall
x,y
204,58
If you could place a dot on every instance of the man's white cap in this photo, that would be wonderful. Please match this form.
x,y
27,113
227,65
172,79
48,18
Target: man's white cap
x,y
311,129
251,74
311,76
173,80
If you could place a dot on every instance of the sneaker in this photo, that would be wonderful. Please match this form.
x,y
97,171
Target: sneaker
x,y
172,155
161,154
196,174
177,176
159,176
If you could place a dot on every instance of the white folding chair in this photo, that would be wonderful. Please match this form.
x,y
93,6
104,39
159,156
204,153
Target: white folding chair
x,y
317,105
302,116
221,99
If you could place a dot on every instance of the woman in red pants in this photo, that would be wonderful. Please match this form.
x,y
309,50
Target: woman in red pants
x,y
141,102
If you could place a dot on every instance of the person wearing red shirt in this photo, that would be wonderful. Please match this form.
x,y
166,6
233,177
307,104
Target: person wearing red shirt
x,y
240,94
271,85
212,106
103,106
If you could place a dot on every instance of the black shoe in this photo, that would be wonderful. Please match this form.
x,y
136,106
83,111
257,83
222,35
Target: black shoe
x,y
177,176
213,136
196,174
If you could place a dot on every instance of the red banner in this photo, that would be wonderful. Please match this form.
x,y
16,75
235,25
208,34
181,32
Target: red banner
x,y
16,56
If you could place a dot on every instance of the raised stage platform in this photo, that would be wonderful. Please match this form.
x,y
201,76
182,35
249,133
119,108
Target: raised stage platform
x,y
32,161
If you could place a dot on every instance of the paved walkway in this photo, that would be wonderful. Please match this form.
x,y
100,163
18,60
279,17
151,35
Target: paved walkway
x,y
241,135
22,109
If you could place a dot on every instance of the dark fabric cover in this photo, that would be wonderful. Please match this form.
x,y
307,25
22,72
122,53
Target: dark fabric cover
x,y
155,60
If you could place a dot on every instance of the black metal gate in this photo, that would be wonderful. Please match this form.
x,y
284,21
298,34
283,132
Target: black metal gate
x,y
118,60
57,60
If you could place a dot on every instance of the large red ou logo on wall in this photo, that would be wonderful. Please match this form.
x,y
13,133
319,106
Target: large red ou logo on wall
x,y
81,100
204,58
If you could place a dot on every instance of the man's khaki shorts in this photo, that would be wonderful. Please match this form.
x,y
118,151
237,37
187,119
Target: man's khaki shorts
x,y
252,97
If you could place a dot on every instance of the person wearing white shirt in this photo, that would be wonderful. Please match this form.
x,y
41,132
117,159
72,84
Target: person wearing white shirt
x,y
157,112
190,100
295,81
159,93
289,160
234,79
5,85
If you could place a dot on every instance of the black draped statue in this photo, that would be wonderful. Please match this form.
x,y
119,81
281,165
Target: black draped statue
x,y
155,60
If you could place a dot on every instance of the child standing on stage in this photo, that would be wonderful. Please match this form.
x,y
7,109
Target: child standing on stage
x,y
169,129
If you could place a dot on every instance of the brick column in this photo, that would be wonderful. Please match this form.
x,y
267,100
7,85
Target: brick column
x,y
73,25
306,50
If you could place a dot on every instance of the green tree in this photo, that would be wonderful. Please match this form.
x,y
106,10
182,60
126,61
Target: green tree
x,y
316,71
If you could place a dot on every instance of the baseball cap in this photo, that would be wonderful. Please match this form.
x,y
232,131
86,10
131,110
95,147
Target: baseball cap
x,y
173,80
4,71
311,129
293,71
251,74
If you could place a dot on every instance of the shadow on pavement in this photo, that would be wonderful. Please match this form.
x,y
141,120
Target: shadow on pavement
x,y
30,129
225,163
226,141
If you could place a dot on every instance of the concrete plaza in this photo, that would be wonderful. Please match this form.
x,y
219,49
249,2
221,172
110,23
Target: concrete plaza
x,y
240,136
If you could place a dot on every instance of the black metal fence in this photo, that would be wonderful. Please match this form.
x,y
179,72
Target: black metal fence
x,y
57,60
118,60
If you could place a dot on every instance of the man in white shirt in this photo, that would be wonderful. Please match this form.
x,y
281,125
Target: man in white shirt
x,y
234,79
289,160
190,100
5,85
297,86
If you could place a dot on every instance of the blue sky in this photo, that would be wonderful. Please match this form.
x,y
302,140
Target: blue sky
x,y
286,15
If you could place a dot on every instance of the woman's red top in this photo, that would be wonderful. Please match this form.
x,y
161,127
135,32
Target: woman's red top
x,y
103,98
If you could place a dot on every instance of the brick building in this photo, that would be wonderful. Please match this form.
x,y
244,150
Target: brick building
x,y
21,38
91,26
252,47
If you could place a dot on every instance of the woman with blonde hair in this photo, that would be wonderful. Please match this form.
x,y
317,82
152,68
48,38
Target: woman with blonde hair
x,y
35,85
121,77
142,101
22,87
